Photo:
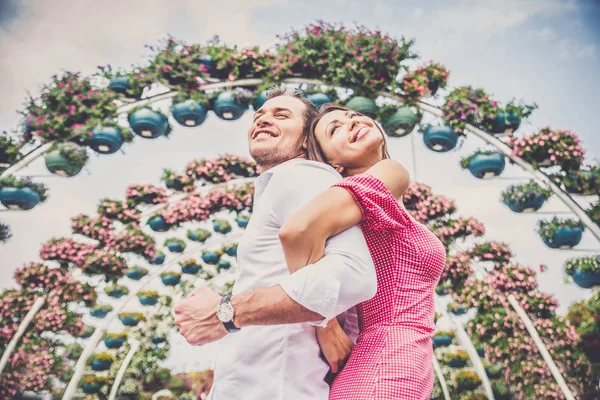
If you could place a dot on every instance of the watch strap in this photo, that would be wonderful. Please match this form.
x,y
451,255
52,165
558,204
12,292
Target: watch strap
x,y
229,325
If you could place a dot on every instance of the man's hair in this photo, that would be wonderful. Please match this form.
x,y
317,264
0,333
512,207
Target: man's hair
x,y
310,110
314,151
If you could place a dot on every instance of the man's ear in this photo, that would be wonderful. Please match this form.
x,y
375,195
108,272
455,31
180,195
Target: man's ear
x,y
305,144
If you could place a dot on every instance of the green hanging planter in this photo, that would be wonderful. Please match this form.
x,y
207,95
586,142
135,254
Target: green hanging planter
x,y
59,165
401,123
363,105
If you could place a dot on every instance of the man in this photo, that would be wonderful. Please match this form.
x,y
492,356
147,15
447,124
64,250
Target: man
x,y
266,359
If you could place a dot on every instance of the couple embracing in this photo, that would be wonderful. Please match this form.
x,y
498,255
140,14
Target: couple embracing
x,y
335,294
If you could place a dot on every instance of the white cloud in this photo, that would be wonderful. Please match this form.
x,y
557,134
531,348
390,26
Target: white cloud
x,y
545,33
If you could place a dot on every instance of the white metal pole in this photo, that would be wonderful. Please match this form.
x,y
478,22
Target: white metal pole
x,y
541,347
135,346
441,378
37,305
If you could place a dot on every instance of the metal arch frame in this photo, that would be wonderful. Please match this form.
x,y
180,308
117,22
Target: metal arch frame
x,y
490,139
99,332
441,378
466,342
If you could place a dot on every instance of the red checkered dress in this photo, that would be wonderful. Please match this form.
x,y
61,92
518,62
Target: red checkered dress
x,y
392,358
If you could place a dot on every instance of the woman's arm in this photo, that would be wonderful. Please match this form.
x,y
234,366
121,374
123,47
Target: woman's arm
x,y
304,234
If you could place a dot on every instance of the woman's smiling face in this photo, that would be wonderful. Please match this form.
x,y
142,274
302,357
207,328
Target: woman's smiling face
x,y
349,139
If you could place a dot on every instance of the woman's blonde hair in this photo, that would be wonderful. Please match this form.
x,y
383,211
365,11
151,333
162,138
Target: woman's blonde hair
x,y
314,151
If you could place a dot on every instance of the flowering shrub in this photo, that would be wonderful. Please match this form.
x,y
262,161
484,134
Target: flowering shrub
x,y
177,65
498,252
465,105
458,270
178,182
480,294
221,169
415,193
41,278
513,278
133,240
180,242
171,273
145,194
137,316
148,293
584,264
98,228
65,251
66,104
232,63
594,213
5,233
425,80
520,109
546,229
522,194
366,60
19,183
537,304
75,154
102,356
585,181
106,263
109,289
466,380
449,230
550,147
9,149
119,210
431,208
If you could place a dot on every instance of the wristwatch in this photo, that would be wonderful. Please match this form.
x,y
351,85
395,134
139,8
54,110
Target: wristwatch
x,y
225,314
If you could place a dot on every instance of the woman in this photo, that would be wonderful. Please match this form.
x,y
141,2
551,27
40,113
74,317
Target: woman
x,y
392,358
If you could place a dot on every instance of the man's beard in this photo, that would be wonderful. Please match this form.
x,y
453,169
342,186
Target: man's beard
x,y
268,158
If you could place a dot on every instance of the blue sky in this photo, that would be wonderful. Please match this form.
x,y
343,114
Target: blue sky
x,y
542,51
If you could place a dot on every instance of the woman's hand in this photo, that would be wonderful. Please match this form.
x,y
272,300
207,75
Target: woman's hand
x,y
335,345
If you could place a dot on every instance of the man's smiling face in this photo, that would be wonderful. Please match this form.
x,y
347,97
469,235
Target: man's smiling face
x,y
276,133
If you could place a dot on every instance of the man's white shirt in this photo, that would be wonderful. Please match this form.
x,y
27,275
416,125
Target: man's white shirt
x,y
282,362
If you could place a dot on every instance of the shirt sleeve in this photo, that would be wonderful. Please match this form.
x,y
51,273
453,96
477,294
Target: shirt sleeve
x,y
345,276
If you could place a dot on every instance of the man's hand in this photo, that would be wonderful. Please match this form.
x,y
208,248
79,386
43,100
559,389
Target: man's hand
x,y
335,345
197,319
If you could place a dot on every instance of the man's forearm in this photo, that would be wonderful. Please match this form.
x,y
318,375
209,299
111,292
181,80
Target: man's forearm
x,y
269,306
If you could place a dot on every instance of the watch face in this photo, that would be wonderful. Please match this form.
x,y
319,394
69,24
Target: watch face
x,y
225,312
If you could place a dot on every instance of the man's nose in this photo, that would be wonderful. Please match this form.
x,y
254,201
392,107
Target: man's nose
x,y
263,120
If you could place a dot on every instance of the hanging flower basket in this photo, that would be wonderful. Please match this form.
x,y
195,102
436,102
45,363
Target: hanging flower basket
x,y
105,139
9,149
158,224
116,291
100,311
493,371
119,84
115,340
158,339
177,182
129,86
231,250
457,309
242,221
505,123
198,235
148,123
398,122
259,99
584,270
466,380
158,258
585,182
221,226
66,159
190,267
87,332
484,164
231,105
175,245
440,138
457,359
101,361
211,257
443,339
170,278
131,319
443,289
525,198
363,105
480,350
189,113
21,194
318,99
560,233
148,298
223,264
136,273
93,383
